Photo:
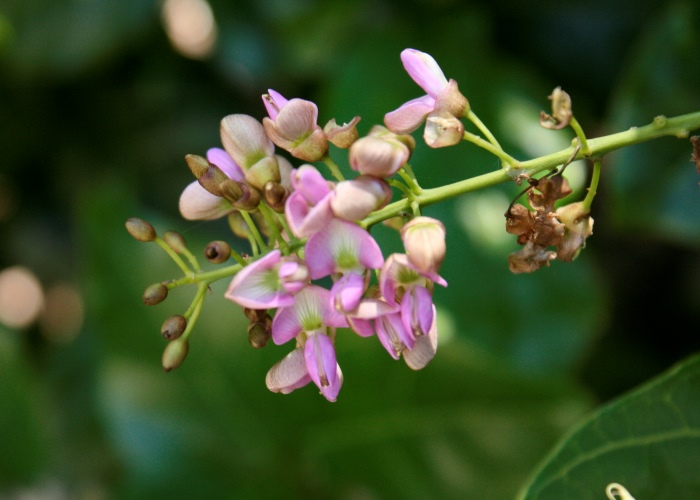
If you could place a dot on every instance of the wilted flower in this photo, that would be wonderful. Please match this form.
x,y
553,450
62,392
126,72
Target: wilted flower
x,y
578,225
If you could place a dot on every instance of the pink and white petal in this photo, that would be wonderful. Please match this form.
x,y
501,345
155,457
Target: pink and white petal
x,y
221,159
424,70
309,181
252,286
318,217
244,139
289,373
297,119
347,292
392,335
362,327
196,203
410,115
424,348
285,325
373,308
331,392
278,102
417,310
319,354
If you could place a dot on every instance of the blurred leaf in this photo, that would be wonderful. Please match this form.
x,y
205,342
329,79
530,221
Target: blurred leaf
x,y
661,79
648,441
23,440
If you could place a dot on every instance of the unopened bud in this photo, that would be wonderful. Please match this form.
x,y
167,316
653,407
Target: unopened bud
x,y
173,327
424,241
217,252
255,315
275,194
174,354
250,199
259,334
175,241
155,294
266,169
140,229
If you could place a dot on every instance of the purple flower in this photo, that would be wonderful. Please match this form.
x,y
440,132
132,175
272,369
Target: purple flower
x,y
442,95
342,247
268,282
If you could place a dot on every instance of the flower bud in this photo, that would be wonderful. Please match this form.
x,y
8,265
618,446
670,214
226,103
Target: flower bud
x,y
294,129
259,334
357,198
424,241
255,315
155,294
208,175
217,252
275,194
378,156
241,195
175,241
140,229
174,354
173,327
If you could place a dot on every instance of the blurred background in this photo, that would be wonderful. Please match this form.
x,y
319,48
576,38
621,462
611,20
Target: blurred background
x,y
100,102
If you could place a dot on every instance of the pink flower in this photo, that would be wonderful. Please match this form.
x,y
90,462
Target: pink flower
x,y
308,208
268,282
308,320
292,126
442,95
342,247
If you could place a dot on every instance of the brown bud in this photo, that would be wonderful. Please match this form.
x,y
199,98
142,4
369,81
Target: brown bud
x,y
275,194
175,241
174,354
255,315
140,229
258,335
155,294
217,252
173,327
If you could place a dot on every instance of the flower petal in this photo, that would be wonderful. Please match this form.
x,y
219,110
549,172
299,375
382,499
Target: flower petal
x,y
342,246
257,286
289,373
221,159
410,115
417,310
424,70
347,292
321,364
196,203
424,348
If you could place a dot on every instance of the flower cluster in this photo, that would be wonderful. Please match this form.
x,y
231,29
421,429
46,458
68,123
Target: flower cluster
x,y
314,267
320,220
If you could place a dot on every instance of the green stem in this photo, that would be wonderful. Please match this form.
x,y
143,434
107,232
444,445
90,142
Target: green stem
x,y
484,130
191,258
505,157
410,181
254,231
192,313
333,167
581,136
593,189
173,255
679,126
272,223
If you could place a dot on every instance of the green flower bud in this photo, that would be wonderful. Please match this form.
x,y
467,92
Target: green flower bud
x,y
173,327
174,354
217,252
175,241
140,229
155,294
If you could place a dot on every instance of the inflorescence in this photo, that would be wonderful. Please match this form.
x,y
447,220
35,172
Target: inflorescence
x,y
303,228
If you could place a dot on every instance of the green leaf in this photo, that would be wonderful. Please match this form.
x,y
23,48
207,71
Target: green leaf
x,y
648,441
